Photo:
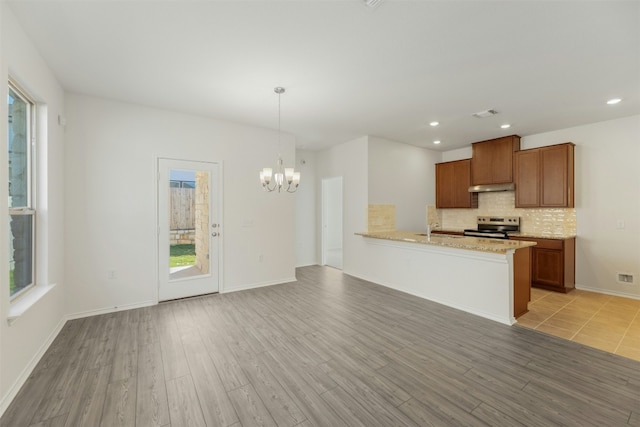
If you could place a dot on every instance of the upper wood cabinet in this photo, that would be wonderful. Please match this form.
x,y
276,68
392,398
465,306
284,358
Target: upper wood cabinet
x,y
527,178
452,185
492,160
544,177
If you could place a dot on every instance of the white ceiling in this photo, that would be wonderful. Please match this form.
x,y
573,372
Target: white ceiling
x,y
350,70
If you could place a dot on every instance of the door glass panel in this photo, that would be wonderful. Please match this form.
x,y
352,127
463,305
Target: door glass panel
x,y
188,224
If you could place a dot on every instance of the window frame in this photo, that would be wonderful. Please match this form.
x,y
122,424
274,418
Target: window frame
x,y
30,209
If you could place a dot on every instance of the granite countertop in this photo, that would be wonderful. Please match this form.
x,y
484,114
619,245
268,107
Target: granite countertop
x,y
520,234
460,242
543,236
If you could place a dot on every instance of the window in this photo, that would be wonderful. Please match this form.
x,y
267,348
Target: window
x,y
21,141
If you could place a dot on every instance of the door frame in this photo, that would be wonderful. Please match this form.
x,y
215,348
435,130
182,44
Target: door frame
x,y
220,212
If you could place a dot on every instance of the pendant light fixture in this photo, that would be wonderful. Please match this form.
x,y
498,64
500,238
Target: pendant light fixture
x,y
285,178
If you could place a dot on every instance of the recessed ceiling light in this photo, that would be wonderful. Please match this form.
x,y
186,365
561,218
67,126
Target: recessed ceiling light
x,y
434,123
614,101
436,142
505,126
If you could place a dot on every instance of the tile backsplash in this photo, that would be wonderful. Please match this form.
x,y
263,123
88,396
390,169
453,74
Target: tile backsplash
x,y
381,218
552,222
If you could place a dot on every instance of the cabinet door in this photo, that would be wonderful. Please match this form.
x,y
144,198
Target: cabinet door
x,y
462,181
452,185
481,163
548,267
553,176
444,185
492,161
502,166
527,178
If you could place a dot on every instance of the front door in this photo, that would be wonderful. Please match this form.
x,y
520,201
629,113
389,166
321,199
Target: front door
x,y
188,228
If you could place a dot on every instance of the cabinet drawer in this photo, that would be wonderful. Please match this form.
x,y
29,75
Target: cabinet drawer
x,y
549,244
543,243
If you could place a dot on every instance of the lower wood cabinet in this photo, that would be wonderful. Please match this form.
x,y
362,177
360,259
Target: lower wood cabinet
x,y
521,281
553,263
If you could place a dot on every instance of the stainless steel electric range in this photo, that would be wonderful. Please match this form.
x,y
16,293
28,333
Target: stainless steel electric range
x,y
494,227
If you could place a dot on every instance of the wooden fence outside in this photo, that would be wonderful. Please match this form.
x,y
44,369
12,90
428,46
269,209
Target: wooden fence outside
x,y
182,208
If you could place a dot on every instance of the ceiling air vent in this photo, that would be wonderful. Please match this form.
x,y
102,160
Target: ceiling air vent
x,y
372,3
484,114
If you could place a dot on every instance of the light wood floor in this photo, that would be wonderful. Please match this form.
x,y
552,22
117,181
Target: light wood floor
x,y
328,350
606,322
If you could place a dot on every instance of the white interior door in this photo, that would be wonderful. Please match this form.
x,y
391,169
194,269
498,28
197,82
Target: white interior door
x,y
188,228
332,222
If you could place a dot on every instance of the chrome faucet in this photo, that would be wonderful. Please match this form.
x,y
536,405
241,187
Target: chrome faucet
x,y
430,228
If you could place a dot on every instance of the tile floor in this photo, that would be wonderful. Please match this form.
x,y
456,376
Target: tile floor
x,y
606,322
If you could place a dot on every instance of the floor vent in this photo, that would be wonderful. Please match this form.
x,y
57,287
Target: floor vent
x,y
626,278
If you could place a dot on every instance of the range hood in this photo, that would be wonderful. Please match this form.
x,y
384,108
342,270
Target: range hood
x,y
492,187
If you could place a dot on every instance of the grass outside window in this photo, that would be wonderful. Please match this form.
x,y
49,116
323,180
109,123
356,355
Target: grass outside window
x,y
182,255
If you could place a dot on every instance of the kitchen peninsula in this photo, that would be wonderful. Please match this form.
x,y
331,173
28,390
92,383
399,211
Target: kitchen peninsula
x,y
485,277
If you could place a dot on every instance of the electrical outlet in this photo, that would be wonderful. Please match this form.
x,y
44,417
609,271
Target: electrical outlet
x,y
625,278
260,258
112,274
620,224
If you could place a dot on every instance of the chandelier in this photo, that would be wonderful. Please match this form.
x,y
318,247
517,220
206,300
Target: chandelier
x,y
285,178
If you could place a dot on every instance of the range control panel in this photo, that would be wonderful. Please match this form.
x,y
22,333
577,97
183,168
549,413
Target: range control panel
x,y
499,220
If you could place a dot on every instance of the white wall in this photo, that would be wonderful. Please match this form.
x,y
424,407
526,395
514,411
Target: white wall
x,y
332,212
110,223
404,176
458,154
348,160
22,343
306,210
607,188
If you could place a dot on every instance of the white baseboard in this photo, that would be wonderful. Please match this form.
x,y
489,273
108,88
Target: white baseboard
x,y
107,310
608,292
306,265
259,285
24,375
